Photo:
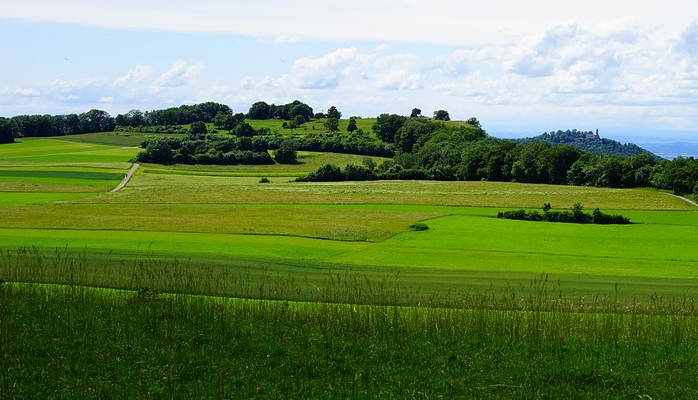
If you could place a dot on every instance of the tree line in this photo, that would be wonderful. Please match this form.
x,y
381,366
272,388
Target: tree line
x,y
420,147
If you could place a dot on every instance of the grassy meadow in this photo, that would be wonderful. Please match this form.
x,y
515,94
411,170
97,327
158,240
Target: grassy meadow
x,y
200,281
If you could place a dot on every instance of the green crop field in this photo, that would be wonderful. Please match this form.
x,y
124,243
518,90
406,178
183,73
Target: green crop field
x,y
203,282
53,198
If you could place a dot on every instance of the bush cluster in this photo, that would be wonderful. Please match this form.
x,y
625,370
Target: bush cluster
x,y
332,173
203,149
575,216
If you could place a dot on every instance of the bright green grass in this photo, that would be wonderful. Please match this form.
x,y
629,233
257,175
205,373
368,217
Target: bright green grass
x,y
53,150
486,244
466,251
15,198
65,176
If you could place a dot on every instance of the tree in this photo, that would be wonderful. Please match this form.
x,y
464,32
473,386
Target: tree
x,y
441,115
387,125
259,110
352,126
299,120
197,128
411,131
286,153
369,163
328,173
96,121
332,125
416,113
332,112
298,108
8,130
473,121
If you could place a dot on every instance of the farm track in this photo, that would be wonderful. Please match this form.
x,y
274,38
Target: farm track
x,y
689,201
128,176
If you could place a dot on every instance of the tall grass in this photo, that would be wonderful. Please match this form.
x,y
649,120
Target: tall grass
x,y
349,337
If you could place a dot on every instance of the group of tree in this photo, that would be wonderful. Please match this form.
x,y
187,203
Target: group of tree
x,y
590,142
576,215
60,125
262,110
201,147
352,172
182,115
100,121
8,130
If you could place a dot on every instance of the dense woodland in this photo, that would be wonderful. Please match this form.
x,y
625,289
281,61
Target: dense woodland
x,y
419,147
590,142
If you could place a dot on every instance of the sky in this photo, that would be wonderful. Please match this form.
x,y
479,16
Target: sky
x,y
522,67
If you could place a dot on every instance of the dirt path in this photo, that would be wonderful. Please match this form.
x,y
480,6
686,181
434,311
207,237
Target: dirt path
x,y
684,199
128,176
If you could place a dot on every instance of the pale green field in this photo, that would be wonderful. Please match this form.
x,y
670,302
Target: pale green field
x,y
53,198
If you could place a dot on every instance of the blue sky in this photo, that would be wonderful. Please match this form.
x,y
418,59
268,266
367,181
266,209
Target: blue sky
x,y
628,68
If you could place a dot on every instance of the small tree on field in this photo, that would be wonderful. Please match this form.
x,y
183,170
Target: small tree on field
x,y
441,115
197,128
352,126
332,125
286,153
333,112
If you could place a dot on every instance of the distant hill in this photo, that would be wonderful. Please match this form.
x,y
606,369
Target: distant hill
x,y
590,142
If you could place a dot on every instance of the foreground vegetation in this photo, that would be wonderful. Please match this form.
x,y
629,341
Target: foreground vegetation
x,y
72,341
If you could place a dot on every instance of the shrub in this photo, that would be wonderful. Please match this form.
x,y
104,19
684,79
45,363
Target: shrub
x,y
419,226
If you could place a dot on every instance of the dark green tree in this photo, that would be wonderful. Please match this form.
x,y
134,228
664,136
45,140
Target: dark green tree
x,y
286,153
416,113
351,127
473,121
259,110
299,120
332,125
332,112
387,125
298,108
198,128
441,115
8,130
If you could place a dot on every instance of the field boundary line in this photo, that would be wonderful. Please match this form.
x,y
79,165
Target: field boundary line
x,y
689,201
128,176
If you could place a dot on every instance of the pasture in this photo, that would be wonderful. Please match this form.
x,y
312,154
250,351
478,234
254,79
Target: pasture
x,y
202,282
224,218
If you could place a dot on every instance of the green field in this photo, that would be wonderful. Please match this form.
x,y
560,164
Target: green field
x,y
223,216
202,282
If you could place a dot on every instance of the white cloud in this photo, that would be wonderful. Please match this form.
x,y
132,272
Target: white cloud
x,y
27,92
455,64
180,75
247,83
287,39
327,71
139,74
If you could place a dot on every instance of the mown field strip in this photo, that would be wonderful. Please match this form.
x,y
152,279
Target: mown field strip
x,y
320,222
170,245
